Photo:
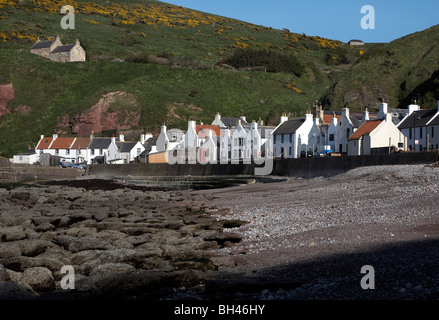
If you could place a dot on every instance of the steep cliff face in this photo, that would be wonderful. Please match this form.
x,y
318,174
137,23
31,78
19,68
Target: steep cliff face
x,y
116,110
6,95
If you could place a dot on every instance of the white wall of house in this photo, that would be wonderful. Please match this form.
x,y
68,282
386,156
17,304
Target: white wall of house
x,y
24,158
191,139
253,142
238,142
208,150
163,140
316,142
343,131
225,146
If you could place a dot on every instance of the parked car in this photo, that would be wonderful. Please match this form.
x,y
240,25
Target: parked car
x,y
325,153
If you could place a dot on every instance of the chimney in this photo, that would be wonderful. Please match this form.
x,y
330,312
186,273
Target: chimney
x,y
317,120
163,128
142,139
345,112
365,115
191,124
121,137
254,125
92,135
321,113
217,118
77,42
308,116
283,118
42,137
243,118
334,120
113,139
383,109
55,136
414,107
261,122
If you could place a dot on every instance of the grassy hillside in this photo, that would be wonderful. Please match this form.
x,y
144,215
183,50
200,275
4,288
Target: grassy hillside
x,y
399,71
174,60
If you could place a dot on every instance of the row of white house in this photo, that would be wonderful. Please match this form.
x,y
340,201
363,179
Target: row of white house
x,y
85,150
234,139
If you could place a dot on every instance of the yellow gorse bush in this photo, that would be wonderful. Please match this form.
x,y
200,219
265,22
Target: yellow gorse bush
x,y
129,14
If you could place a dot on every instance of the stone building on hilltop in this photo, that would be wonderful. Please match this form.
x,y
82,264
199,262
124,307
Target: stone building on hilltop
x,y
56,51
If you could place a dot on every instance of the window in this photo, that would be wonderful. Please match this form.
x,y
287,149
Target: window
x,y
101,152
420,133
20,158
67,151
92,151
331,137
138,151
77,152
290,151
348,131
57,151
282,138
432,132
174,136
318,139
291,138
410,134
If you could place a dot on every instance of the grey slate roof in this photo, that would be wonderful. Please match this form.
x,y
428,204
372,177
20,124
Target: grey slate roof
x,y
232,122
289,126
435,121
417,119
100,143
42,44
64,48
148,146
125,146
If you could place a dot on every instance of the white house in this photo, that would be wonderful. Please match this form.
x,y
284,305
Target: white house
x,y
103,150
420,127
129,150
191,140
225,146
209,150
291,137
346,126
375,137
238,146
29,157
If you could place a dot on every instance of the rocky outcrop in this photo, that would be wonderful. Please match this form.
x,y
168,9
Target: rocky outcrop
x,y
129,241
6,95
114,111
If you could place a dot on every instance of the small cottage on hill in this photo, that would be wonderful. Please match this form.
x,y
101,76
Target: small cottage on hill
x,y
56,51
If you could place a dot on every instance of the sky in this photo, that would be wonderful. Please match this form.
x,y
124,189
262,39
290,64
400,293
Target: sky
x,y
332,19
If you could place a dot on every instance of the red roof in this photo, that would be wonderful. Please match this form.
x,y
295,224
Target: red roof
x,y
62,143
81,143
327,118
365,128
203,130
44,143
